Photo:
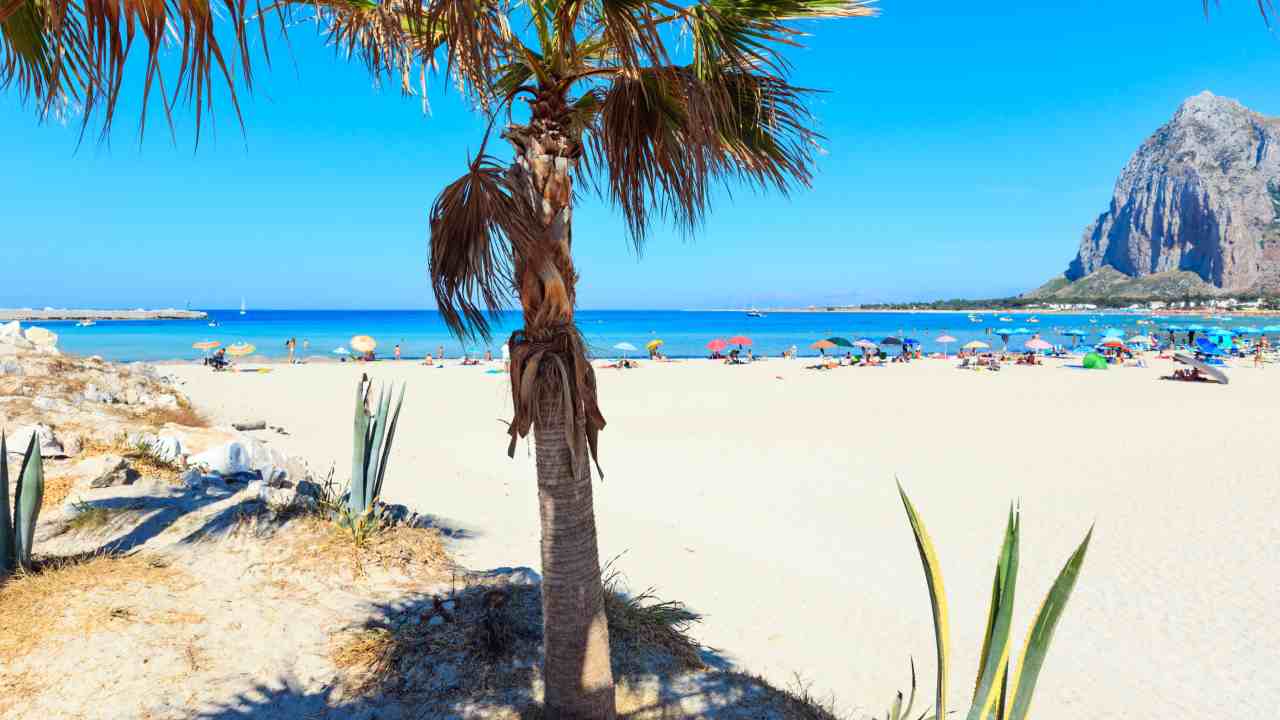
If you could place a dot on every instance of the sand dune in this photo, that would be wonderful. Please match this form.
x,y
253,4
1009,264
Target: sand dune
x,y
764,496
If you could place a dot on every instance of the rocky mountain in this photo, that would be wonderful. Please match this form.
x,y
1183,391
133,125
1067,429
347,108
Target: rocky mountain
x,y
1200,196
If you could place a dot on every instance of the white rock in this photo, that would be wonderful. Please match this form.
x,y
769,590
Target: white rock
x,y
93,393
50,445
7,349
10,330
229,459
192,479
48,404
10,367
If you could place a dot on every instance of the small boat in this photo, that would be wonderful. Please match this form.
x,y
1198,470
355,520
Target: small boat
x,y
213,323
242,306
1006,319
1035,320
86,323
975,319
754,313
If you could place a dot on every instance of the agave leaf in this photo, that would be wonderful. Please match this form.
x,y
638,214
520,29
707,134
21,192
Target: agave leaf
x,y
355,499
30,495
995,643
386,450
911,699
373,455
937,598
895,710
6,524
1033,655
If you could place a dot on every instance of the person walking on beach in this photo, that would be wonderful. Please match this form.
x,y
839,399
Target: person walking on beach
x,y
292,345
440,352
397,351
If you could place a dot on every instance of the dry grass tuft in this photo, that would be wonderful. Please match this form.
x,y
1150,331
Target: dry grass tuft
x,y
141,456
366,657
89,517
185,414
640,624
74,595
321,544
57,487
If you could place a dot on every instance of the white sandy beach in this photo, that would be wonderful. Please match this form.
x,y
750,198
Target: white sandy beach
x,y
764,497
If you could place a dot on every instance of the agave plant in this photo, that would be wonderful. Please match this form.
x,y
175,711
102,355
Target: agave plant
x,y
375,428
17,531
995,694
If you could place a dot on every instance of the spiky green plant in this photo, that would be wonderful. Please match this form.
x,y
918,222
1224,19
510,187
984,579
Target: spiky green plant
x,y
17,529
995,694
375,428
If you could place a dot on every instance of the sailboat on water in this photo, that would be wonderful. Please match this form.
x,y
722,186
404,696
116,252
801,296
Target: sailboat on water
x,y
242,306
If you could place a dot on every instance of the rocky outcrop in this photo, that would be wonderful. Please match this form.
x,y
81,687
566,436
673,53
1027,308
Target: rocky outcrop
x,y
1201,195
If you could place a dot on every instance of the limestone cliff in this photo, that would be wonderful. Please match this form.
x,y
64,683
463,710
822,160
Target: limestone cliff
x,y
1201,195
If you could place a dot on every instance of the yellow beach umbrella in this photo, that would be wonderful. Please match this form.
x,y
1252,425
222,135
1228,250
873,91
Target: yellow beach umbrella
x,y
652,344
206,345
241,349
363,344
40,336
976,345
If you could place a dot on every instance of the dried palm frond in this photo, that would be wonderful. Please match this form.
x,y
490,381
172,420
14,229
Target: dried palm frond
x,y
476,223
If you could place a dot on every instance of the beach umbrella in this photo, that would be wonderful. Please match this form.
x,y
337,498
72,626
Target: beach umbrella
x,y
341,351
842,342
206,345
41,337
241,349
1175,328
976,345
651,345
1248,330
1075,335
1196,327
1139,340
363,344
1037,344
1113,333
910,341
1208,370
717,345
891,341
866,344
739,340
944,341
1020,331
822,346
625,347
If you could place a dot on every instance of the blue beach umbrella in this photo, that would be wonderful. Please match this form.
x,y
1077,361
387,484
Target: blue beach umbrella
x,y
1206,347
1174,328
1247,330
1113,333
1196,327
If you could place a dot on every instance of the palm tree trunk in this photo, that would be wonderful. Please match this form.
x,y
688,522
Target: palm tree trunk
x,y
577,672
579,679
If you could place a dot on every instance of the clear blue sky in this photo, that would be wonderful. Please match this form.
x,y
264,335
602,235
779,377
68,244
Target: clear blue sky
x,y
967,147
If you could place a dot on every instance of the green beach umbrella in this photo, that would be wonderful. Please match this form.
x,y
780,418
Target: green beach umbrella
x,y
840,342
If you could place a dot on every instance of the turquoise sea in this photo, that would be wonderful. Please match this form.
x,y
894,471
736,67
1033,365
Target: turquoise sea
x,y
685,333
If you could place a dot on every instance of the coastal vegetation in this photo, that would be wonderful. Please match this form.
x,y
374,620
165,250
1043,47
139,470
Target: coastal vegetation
x,y
18,527
996,692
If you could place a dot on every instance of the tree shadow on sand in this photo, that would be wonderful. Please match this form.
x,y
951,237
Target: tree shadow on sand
x,y
475,653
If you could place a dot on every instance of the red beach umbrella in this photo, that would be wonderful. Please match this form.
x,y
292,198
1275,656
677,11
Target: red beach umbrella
x,y
717,345
740,340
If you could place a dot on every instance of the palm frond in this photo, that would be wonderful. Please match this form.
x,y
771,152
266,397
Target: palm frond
x,y
665,136
78,50
476,223
748,34
1266,7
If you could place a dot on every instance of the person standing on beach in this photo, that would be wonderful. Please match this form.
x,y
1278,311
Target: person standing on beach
x,y
292,345
440,352
397,351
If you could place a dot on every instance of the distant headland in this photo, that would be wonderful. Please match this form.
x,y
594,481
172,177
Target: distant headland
x,y
46,314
